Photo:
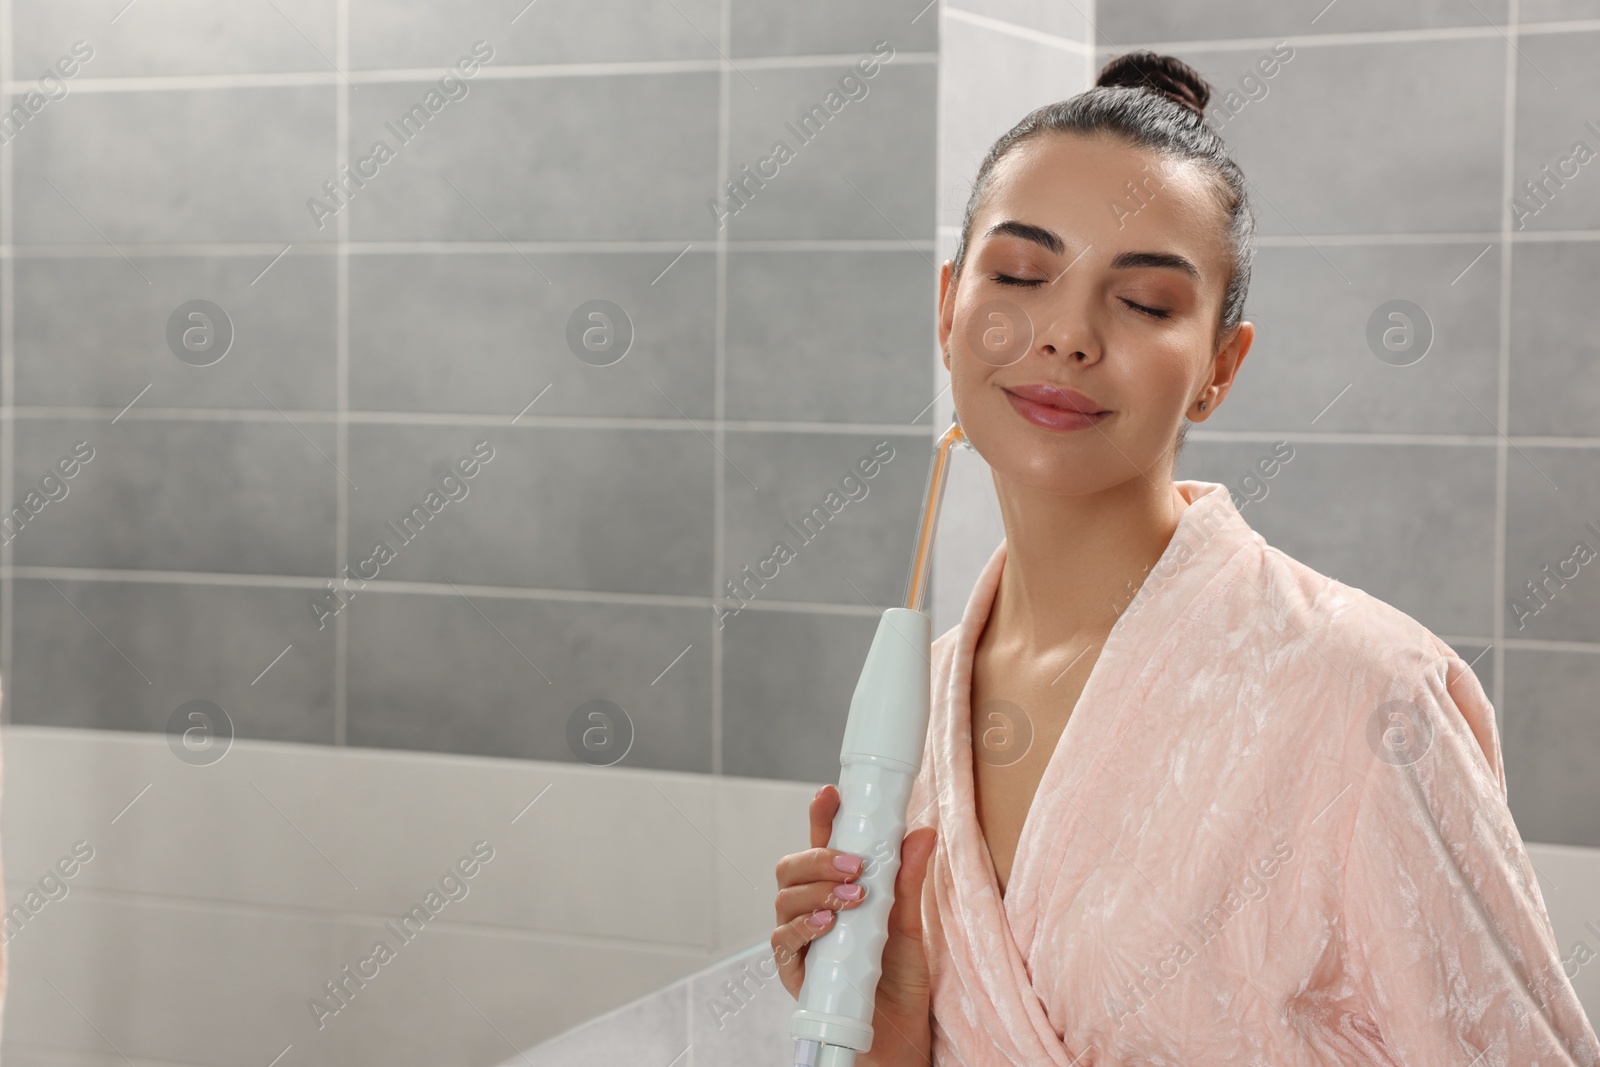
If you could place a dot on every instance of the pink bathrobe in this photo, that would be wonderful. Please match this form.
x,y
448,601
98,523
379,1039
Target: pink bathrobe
x,y
1274,832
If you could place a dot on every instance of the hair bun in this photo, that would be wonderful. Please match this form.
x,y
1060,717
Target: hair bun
x,y
1168,75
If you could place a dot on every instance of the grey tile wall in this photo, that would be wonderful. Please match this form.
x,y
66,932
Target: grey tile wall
x,y
373,314
1390,159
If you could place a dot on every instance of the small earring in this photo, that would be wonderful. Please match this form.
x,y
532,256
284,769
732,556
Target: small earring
x,y
1202,405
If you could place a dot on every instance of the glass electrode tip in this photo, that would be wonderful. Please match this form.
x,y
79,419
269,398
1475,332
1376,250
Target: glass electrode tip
x,y
922,557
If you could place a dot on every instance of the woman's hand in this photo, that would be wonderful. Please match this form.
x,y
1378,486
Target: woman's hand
x,y
812,887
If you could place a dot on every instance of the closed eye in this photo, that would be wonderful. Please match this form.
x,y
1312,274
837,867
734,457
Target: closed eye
x,y
1156,313
1006,279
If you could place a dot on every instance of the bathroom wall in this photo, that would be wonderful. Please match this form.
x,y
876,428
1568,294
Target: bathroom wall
x,y
535,348
1388,154
1389,158
1446,469
1381,162
628,460
643,459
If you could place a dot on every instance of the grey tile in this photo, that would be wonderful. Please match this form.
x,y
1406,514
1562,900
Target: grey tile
x,y
1555,359
186,37
1068,21
830,336
1556,10
484,333
815,526
787,680
1550,512
739,1012
859,157
1129,22
1313,309
556,508
1391,126
1557,83
1378,137
831,27
1479,659
127,655
235,497
505,677
417,33
204,165
1412,525
652,1029
91,331
613,157
1549,740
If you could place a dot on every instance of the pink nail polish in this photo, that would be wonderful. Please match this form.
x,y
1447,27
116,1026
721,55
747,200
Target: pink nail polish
x,y
850,892
820,917
847,864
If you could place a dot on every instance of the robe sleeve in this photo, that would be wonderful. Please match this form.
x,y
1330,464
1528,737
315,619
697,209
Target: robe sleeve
x,y
1455,958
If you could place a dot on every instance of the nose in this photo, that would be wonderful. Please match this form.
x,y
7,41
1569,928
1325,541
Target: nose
x,y
1071,327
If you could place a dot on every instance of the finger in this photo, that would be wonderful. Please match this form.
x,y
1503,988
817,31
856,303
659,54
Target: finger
x,y
797,900
916,852
824,806
817,865
789,943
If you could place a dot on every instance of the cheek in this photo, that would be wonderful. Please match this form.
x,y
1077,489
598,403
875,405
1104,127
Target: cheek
x,y
1155,382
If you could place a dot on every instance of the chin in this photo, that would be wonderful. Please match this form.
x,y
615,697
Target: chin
x,y
1075,463
1037,459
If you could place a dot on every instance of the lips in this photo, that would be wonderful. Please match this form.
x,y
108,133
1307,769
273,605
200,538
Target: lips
x,y
1055,407
1058,397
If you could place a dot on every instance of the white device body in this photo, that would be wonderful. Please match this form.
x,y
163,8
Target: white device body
x,y
879,760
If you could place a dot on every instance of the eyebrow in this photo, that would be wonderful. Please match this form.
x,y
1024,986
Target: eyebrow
x,y
1027,231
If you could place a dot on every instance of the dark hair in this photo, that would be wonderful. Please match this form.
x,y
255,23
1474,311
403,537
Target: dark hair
x,y
1152,101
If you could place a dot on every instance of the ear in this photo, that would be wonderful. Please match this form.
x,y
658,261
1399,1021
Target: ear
x,y
1225,368
947,309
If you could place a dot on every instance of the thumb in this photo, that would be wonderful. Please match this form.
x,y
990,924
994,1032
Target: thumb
x,y
916,852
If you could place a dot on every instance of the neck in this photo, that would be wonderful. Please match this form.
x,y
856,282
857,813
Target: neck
x,y
1074,562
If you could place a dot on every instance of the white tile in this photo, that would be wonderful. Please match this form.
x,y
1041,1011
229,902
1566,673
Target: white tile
x,y
1569,881
759,822
739,1013
605,852
213,985
975,108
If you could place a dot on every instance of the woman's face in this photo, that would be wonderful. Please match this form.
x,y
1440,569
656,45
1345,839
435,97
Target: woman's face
x,y
1125,258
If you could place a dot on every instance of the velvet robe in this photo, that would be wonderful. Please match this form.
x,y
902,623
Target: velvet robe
x,y
1273,832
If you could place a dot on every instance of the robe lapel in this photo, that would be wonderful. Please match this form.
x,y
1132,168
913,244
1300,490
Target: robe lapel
x,y
992,937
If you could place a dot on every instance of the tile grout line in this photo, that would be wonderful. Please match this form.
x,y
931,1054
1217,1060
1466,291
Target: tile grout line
x,y
1358,38
1503,383
649,246
147,83
797,245
718,502
647,423
464,246
719,380
8,363
717,491
341,443
410,419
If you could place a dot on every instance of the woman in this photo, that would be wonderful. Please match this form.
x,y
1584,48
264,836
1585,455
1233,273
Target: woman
x,y
1247,815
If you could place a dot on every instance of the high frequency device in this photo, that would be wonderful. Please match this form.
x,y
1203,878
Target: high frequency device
x,y
879,760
